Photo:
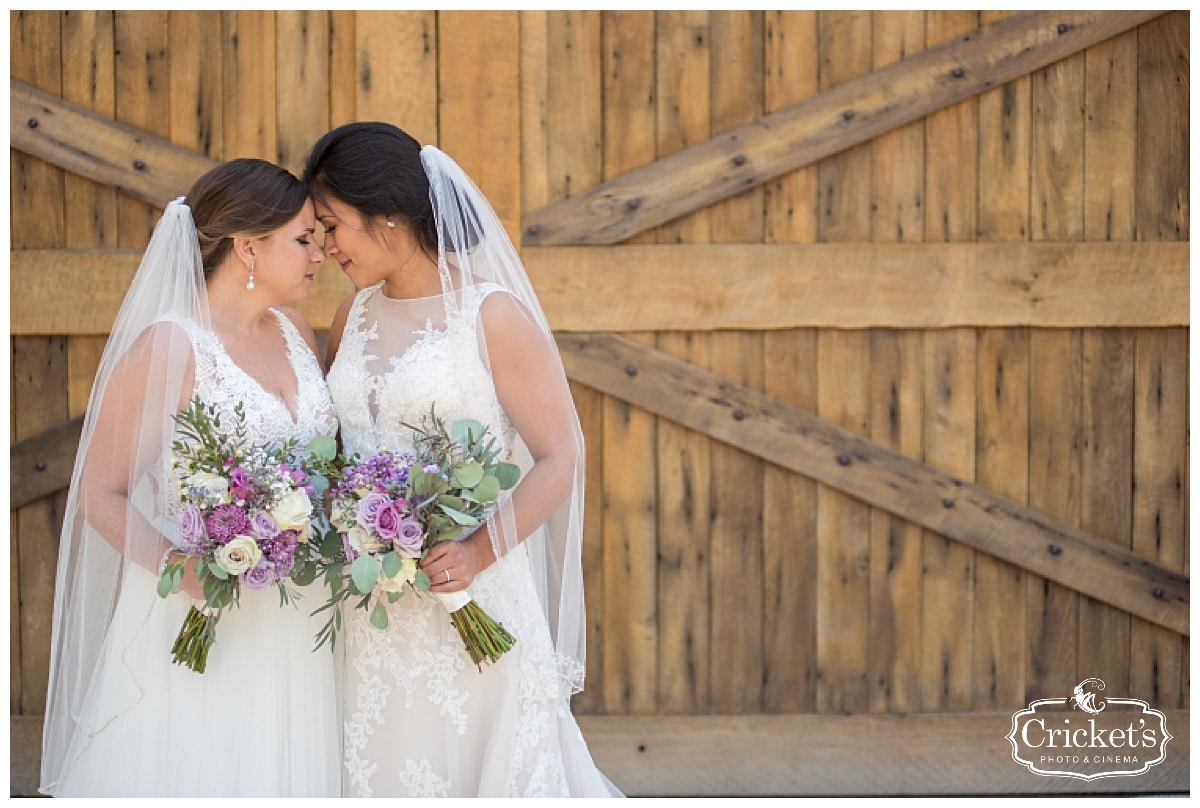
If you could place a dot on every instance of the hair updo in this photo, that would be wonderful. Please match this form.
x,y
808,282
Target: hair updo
x,y
245,198
375,168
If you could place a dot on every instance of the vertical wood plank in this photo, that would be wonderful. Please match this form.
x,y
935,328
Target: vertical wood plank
x,y
83,358
1055,440
736,651
897,215
1004,156
248,86
1110,138
790,68
1057,177
1002,442
535,124
575,105
396,68
479,104
589,405
301,80
1158,663
631,488
948,586
196,83
38,378
682,54
143,77
88,80
684,497
1002,465
951,147
343,68
843,396
1163,136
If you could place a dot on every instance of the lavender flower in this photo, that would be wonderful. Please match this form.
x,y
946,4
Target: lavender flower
x,y
263,524
259,576
409,538
387,521
191,529
369,507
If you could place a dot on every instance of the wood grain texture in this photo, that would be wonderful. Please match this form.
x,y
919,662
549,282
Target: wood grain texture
x,y
775,144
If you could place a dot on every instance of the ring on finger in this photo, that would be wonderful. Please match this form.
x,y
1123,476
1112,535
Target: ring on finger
x,y
447,575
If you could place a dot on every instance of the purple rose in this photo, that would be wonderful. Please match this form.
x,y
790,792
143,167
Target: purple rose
x,y
191,528
263,524
259,576
387,521
225,522
409,538
369,508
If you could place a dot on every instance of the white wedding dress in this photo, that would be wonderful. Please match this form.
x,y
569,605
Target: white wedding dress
x,y
263,719
420,719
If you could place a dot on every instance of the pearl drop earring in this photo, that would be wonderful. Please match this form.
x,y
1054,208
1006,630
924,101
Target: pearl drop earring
x,y
391,223
250,283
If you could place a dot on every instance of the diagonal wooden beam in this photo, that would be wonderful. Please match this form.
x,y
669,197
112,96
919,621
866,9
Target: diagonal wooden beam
x,y
99,148
823,125
816,448
41,464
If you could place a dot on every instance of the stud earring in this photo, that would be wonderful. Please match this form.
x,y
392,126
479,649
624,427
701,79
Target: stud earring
x,y
250,283
391,223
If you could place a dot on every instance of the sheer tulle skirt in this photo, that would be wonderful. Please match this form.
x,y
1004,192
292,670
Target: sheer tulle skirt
x,y
262,720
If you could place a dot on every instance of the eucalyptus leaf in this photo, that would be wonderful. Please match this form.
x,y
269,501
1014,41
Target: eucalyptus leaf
x,y
218,573
305,575
487,490
394,596
364,572
331,544
322,447
379,617
421,581
319,482
166,584
391,564
507,474
449,501
466,430
459,516
468,475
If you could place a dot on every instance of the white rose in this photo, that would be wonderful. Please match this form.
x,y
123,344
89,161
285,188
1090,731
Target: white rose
x,y
406,574
305,533
239,555
293,511
213,485
357,538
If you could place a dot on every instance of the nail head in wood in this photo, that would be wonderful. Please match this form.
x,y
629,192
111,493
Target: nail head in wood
x,y
947,503
1063,28
958,72
33,123
1054,550
630,370
843,460
139,165
848,114
738,415
633,204
40,465
533,229
739,159
1158,593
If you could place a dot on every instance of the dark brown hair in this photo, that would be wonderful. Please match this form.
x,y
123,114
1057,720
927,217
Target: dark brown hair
x,y
244,197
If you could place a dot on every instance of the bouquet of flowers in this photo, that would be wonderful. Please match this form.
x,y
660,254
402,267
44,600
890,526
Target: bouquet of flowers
x,y
246,519
388,510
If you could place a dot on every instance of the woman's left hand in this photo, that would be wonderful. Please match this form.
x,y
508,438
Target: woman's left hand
x,y
452,565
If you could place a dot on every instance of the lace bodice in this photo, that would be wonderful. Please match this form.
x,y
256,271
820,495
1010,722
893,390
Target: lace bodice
x,y
223,383
399,357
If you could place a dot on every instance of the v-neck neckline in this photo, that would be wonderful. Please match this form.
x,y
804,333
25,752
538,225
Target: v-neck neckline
x,y
293,415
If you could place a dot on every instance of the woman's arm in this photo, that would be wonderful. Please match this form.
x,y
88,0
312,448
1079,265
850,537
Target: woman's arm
x,y
533,390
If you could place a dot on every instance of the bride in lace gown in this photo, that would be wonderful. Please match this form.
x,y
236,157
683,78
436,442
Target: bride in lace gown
x,y
445,318
200,318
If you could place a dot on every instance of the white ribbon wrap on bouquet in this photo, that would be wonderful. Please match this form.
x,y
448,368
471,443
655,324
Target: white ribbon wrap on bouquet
x,y
453,601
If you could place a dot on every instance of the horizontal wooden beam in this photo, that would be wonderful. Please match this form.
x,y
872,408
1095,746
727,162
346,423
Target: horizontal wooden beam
x,y
795,755
41,464
922,494
78,292
97,147
700,287
849,114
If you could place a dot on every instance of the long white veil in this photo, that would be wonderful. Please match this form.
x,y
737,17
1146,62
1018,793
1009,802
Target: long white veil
x,y
116,516
472,240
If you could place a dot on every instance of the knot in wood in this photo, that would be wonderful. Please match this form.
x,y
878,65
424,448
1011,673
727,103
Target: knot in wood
x,y
1054,549
533,229
958,72
1158,593
139,165
630,370
33,123
738,415
739,159
40,465
843,459
947,503
848,115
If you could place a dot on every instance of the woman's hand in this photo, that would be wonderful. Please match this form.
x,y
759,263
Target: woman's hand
x,y
452,565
